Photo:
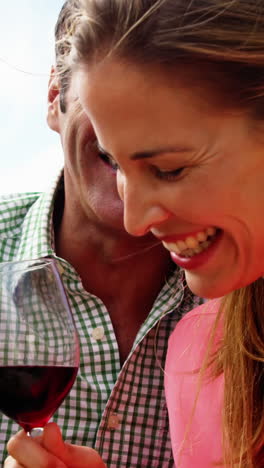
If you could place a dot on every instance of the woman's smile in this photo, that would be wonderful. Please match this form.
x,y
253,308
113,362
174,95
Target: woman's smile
x,y
187,170
189,245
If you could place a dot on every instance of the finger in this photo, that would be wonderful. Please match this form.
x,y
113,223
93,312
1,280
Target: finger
x,y
53,442
30,454
84,457
74,456
10,462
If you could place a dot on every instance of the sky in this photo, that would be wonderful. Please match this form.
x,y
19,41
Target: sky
x,y
30,153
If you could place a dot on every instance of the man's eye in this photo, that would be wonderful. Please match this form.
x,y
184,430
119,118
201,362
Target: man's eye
x,y
108,160
168,175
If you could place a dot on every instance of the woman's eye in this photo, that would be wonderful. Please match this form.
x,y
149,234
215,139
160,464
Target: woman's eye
x,y
108,160
168,175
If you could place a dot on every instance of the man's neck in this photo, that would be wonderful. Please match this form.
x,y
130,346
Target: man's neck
x,y
126,273
105,259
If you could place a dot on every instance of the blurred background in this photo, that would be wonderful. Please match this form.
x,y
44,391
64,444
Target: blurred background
x,y
30,153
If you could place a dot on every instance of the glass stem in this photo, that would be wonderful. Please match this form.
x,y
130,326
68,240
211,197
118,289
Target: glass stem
x,y
35,432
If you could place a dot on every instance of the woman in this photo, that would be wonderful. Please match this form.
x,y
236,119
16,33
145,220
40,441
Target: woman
x,y
174,91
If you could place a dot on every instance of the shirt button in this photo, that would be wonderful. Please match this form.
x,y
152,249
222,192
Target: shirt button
x,y
98,333
113,421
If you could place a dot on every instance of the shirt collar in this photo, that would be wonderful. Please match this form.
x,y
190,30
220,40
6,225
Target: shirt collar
x,y
37,237
169,299
37,240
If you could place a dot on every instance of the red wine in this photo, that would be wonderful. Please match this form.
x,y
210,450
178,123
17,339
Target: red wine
x,y
31,394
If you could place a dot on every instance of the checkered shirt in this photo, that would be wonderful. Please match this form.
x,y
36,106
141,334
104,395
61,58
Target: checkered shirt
x,y
120,411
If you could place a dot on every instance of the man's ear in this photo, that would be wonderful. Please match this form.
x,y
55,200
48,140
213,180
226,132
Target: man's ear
x,y
53,101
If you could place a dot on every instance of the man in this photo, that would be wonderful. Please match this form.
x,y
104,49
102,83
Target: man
x,y
125,295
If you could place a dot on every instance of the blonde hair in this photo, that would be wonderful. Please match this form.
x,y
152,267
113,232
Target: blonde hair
x,y
241,360
223,40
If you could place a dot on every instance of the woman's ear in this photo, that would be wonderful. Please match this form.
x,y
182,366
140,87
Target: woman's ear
x,y
53,101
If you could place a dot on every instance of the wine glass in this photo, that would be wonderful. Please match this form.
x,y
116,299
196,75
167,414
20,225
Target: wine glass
x,y
39,348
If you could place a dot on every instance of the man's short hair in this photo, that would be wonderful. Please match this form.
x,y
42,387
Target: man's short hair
x,y
62,47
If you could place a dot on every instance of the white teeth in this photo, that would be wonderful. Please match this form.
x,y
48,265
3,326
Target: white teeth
x,y
181,245
188,253
172,247
191,242
198,249
192,245
211,231
201,236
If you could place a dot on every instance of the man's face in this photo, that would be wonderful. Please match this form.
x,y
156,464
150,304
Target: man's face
x,y
90,183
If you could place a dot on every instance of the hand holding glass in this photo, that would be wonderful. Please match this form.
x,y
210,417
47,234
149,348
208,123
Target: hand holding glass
x,y
39,350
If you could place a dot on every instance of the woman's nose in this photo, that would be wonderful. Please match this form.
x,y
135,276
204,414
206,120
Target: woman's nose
x,y
139,220
141,208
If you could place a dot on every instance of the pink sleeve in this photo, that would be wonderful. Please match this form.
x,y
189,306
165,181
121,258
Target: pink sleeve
x,y
186,351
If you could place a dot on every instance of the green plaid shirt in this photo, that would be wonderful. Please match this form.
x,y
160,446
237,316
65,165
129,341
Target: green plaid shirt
x,y
120,411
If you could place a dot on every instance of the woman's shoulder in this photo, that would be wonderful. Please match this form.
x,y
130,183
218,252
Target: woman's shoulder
x,y
208,309
189,339
200,418
202,316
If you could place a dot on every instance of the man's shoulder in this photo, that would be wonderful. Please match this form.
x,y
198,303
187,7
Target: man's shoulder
x,y
13,209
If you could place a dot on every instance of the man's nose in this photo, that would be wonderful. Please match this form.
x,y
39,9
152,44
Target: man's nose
x,y
142,210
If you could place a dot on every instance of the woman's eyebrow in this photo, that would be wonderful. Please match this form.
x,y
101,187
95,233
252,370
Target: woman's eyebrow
x,y
152,153
155,152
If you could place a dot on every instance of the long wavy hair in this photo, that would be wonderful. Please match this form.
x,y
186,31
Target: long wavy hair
x,y
224,41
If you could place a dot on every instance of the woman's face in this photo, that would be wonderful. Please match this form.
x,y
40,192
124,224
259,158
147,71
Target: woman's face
x,y
189,171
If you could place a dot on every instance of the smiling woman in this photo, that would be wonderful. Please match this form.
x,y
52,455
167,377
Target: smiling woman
x,y
174,92
178,159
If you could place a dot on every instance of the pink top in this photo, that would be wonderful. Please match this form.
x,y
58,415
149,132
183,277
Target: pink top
x,y
187,348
